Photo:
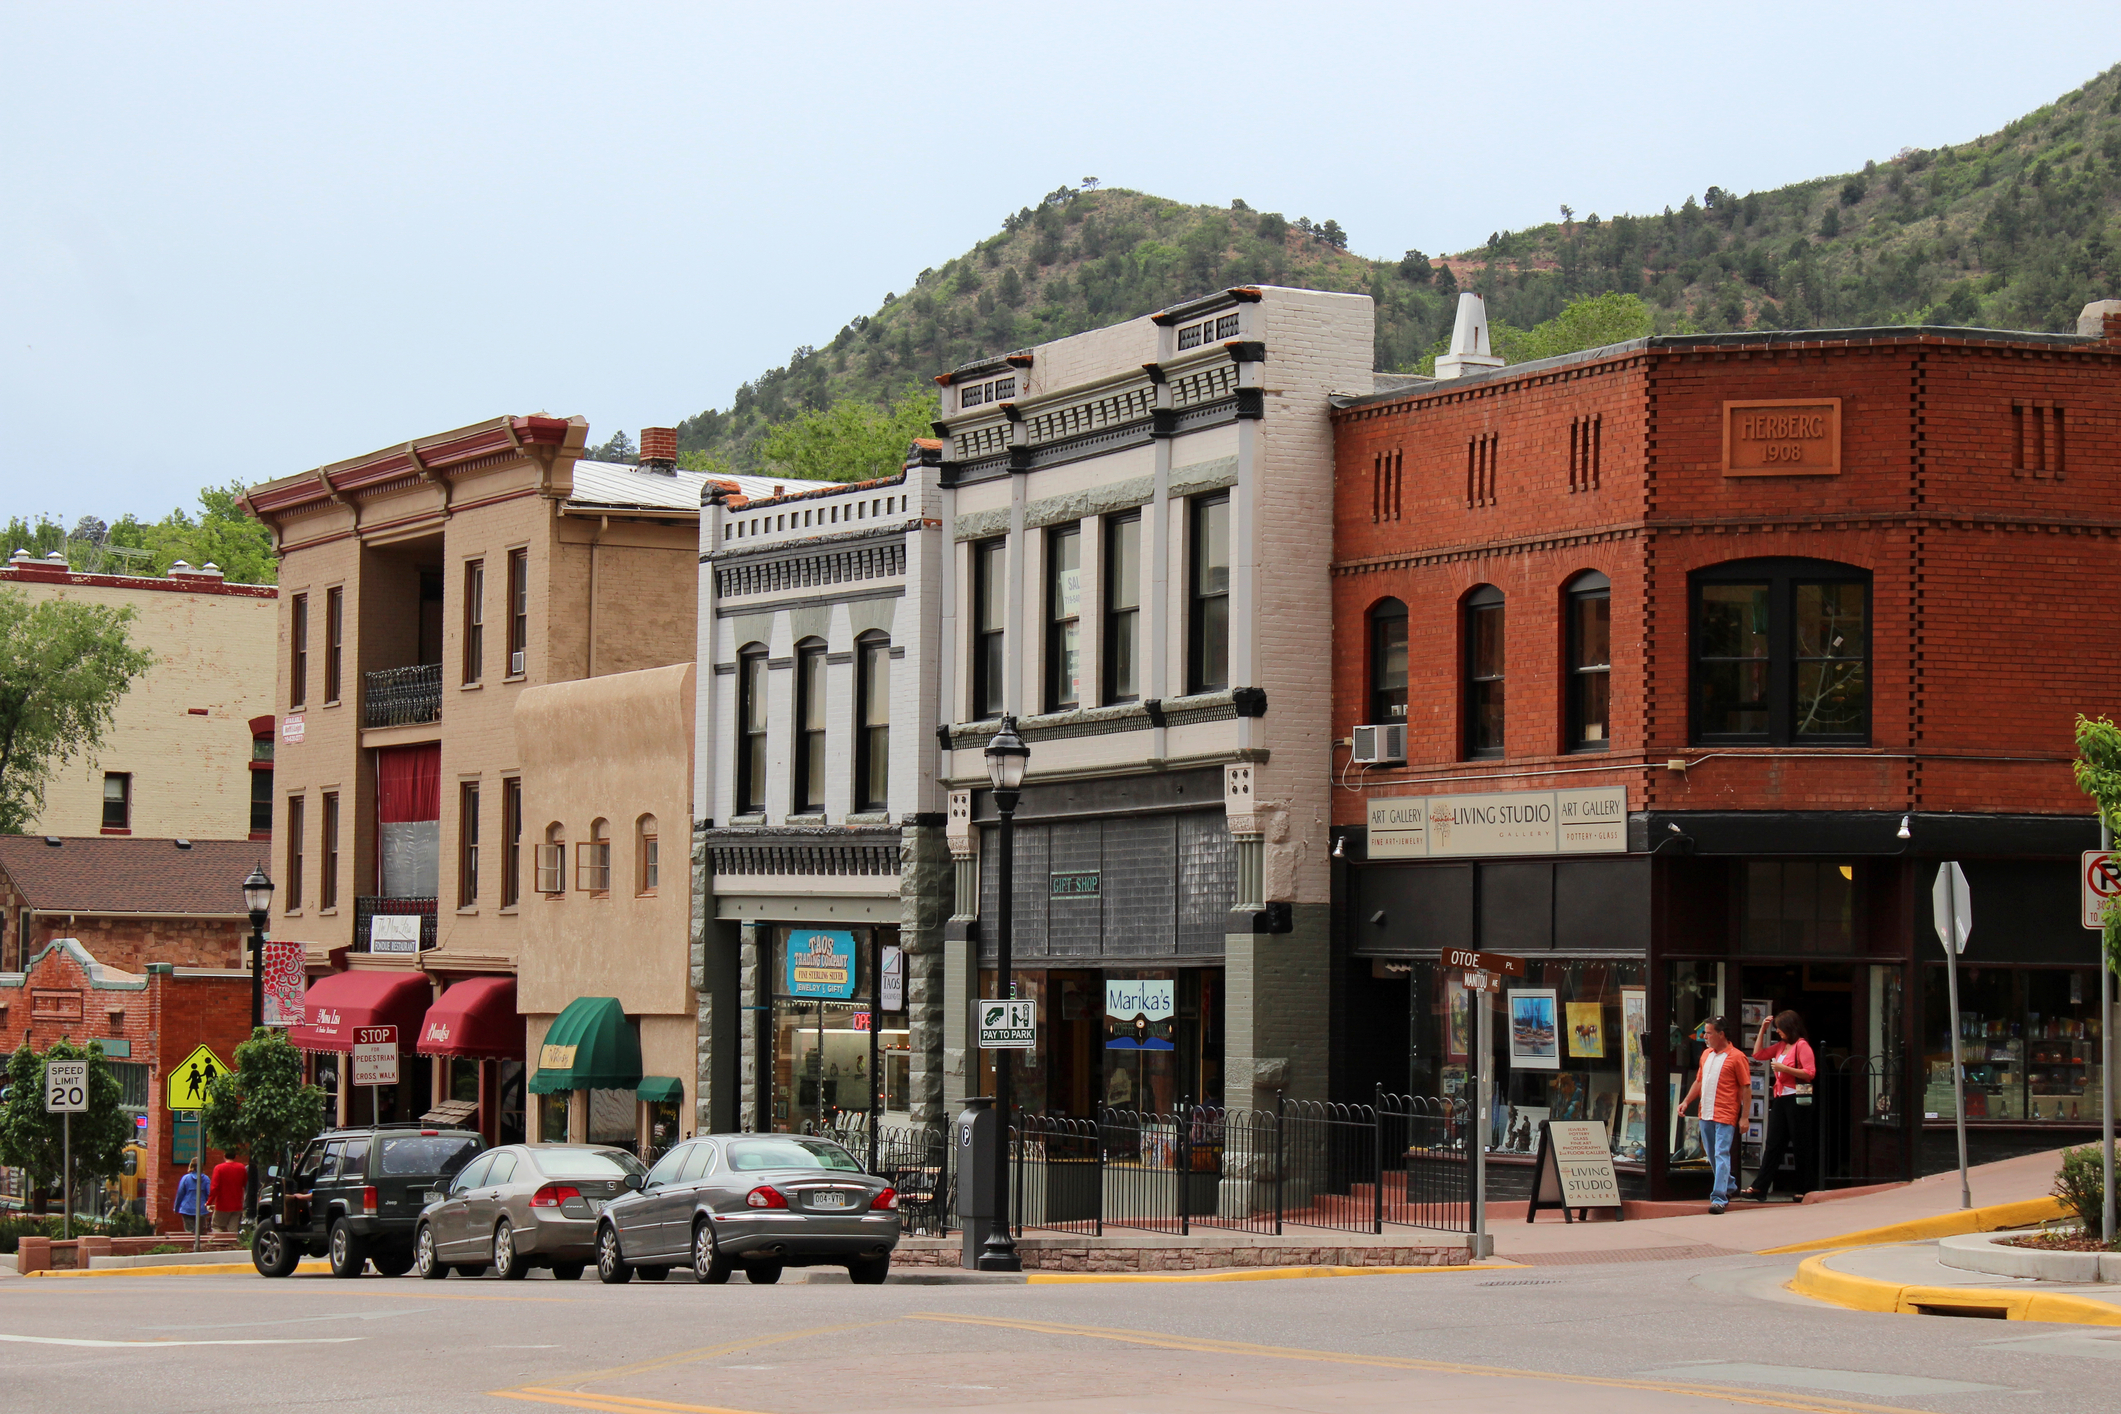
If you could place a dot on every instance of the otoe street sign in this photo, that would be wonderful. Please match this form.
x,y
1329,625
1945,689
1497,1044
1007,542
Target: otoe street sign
x,y
2101,879
66,1087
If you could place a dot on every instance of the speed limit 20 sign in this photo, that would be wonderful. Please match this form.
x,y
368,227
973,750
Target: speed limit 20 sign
x,y
2100,880
66,1087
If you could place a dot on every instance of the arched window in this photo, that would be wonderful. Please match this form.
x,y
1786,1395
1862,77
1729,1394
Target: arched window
x,y
751,729
1484,672
872,711
810,727
1588,611
1782,653
1388,662
648,860
552,860
592,860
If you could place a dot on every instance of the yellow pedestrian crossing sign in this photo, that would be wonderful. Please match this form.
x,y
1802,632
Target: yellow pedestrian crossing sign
x,y
191,1077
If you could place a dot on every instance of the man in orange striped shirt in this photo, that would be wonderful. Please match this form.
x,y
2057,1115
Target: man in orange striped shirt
x,y
1724,1086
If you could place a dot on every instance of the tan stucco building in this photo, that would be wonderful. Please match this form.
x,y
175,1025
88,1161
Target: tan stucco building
x,y
189,750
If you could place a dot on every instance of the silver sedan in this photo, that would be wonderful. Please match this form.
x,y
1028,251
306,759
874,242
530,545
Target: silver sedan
x,y
523,1206
759,1202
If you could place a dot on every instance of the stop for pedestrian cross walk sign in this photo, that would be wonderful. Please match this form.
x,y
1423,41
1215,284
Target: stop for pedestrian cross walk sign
x,y
192,1077
1008,1025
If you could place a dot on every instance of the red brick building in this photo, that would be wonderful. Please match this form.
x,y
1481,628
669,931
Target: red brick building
x,y
129,901
1811,612
147,1022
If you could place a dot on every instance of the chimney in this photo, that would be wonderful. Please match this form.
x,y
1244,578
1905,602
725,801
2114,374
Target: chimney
x,y
659,450
1471,348
2101,319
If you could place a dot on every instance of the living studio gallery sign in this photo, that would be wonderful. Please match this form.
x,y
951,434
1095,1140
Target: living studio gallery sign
x,y
1592,821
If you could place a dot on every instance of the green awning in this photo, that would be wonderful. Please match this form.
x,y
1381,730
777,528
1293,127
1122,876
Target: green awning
x,y
591,1046
657,1088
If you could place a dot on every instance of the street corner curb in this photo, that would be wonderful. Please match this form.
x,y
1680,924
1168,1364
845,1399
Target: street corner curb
x,y
1822,1282
1248,1274
1997,1216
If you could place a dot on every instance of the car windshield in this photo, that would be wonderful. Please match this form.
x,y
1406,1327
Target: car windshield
x,y
587,1163
789,1153
425,1154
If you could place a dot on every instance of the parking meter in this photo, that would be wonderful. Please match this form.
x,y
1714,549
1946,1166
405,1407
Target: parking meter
x,y
979,1207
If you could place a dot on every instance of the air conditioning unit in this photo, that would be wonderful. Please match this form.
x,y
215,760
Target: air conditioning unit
x,y
1381,745
515,663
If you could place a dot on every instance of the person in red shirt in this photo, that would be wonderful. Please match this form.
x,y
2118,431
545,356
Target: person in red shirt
x,y
1724,1086
1788,1053
230,1179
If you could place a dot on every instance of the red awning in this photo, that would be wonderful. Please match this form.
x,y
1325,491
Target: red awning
x,y
337,1004
475,1019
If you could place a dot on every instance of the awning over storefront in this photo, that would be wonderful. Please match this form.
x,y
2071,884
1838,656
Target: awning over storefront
x,y
591,1046
475,1019
339,1004
657,1088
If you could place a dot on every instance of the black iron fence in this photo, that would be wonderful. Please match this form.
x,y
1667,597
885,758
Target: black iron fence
x,y
402,697
915,1161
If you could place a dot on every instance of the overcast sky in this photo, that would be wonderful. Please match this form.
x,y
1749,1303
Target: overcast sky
x,y
241,241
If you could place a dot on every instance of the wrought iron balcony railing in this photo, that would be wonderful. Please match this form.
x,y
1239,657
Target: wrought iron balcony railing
x,y
402,697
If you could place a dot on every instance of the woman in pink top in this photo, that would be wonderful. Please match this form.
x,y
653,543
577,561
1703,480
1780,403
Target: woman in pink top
x,y
1791,1114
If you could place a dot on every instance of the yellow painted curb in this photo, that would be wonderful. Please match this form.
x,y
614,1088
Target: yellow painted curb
x,y
1990,1219
1817,1280
210,1269
1243,1274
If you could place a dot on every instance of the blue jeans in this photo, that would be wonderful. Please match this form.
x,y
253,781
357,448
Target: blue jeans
x,y
1716,1138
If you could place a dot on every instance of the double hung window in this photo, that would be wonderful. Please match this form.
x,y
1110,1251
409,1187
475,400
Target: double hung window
x,y
1064,618
1209,581
990,607
1485,698
1782,653
474,620
1123,599
810,727
751,721
1388,663
1589,606
872,744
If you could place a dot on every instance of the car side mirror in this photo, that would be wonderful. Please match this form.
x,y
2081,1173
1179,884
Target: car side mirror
x,y
272,1170
636,1181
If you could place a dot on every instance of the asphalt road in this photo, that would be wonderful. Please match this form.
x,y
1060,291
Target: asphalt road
x,y
1644,1337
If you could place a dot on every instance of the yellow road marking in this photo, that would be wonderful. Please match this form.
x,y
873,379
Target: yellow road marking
x,y
586,1399
1392,1362
611,1403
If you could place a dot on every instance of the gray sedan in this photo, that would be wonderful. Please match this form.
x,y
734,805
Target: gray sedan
x,y
523,1206
756,1201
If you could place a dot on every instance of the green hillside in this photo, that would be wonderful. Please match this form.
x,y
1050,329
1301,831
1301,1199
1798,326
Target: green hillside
x,y
2012,230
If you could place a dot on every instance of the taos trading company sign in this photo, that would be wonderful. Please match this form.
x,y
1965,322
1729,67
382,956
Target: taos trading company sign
x,y
1593,821
1782,438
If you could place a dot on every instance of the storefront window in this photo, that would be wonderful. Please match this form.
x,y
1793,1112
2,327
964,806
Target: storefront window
x,y
552,1118
2029,1038
820,1041
1798,906
1142,1039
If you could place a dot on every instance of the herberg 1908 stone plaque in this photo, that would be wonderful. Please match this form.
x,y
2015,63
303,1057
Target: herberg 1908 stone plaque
x,y
1782,437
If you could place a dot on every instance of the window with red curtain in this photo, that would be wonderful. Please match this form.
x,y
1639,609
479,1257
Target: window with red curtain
x,y
408,819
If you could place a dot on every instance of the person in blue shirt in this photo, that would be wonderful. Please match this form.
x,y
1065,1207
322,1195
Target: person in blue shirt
x,y
191,1194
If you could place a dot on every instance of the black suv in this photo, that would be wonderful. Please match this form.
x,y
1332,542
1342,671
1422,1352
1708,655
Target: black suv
x,y
355,1195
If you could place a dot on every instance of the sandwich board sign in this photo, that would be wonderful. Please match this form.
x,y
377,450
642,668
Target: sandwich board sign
x,y
1008,1025
1575,1170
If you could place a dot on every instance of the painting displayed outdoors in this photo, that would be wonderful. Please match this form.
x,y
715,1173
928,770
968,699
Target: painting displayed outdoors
x,y
1535,1041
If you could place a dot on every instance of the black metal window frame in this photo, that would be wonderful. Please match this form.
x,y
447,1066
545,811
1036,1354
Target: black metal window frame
x,y
1205,602
118,805
1062,694
295,831
1386,616
1584,675
1783,579
261,778
511,841
751,722
298,652
810,717
1485,681
872,737
990,562
1122,647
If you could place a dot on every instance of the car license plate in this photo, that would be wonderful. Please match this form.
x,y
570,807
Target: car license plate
x,y
597,1205
432,1195
830,1200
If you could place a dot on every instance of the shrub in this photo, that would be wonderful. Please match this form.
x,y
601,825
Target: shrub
x,y
2081,1185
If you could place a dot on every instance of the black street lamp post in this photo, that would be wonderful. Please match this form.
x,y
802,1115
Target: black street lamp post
x,y
257,897
1006,755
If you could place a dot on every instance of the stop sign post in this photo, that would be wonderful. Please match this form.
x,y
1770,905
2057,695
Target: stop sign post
x,y
66,1095
1953,905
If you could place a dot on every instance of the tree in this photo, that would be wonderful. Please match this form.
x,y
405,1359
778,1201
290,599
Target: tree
x,y
35,1141
262,1107
63,667
2098,772
852,440
619,449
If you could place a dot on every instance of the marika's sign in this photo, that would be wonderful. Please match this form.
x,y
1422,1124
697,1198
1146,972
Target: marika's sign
x,y
1592,821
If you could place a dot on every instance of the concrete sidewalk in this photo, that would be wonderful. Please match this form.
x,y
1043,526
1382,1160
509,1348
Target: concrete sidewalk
x,y
2012,1193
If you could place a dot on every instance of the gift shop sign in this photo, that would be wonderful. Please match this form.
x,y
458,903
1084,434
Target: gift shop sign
x,y
1593,821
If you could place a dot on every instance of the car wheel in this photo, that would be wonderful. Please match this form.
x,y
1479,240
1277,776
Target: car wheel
x,y
764,1274
612,1267
654,1273
425,1260
568,1271
395,1263
507,1264
348,1252
271,1253
869,1271
708,1267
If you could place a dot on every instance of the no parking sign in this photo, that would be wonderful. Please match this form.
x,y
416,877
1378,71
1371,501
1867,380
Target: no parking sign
x,y
2101,880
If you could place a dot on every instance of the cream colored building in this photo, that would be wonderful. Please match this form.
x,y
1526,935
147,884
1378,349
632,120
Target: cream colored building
x,y
189,750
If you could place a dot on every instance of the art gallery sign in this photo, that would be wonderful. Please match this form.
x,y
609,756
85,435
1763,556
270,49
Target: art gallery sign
x,y
1592,821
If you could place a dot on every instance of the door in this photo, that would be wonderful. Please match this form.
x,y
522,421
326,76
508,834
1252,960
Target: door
x,y
686,1192
449,1221
642,1222
483,1210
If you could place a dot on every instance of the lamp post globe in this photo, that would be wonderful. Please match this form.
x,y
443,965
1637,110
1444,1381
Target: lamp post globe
x,y
1006,757
257,899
